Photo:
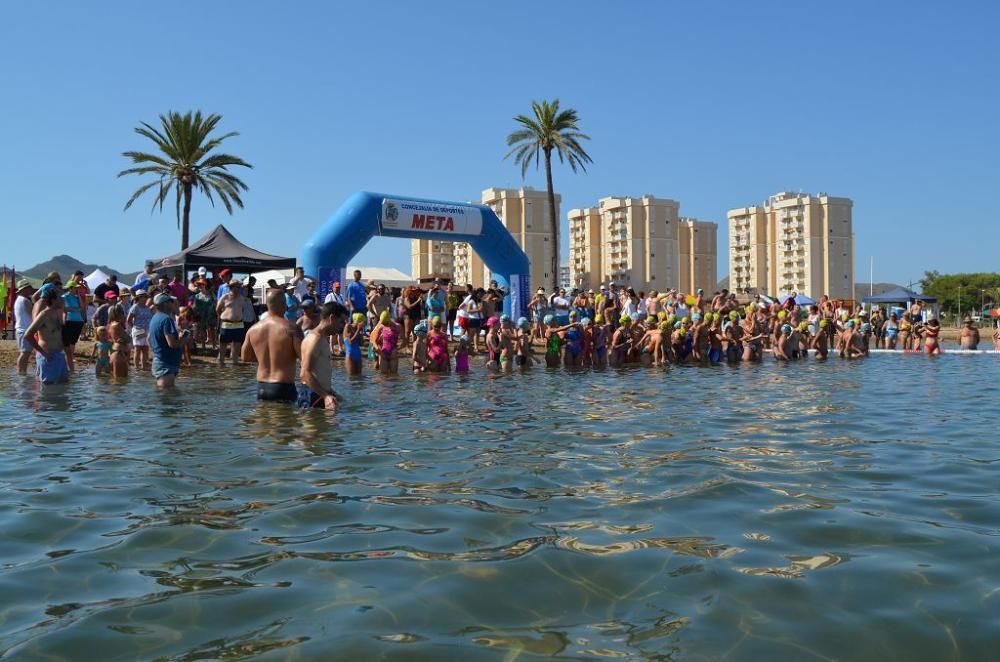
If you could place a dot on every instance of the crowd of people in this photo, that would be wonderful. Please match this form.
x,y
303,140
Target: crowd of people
x,y
159,322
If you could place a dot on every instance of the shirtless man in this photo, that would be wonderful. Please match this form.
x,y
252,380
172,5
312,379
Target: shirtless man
x,y
316,392
48,345
970,335
230,312
274,345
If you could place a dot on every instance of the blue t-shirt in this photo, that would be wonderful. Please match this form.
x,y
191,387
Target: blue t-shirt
x,y
292,311
358,295
160,327
72,303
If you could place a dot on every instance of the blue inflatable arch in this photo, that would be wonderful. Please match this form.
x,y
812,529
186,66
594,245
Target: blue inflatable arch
x,y
365,215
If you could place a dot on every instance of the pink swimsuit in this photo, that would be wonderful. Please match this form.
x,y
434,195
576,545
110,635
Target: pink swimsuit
x,y
437,350
389,340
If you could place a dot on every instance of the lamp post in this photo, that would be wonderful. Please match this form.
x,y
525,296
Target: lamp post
x,y
959,320
982,303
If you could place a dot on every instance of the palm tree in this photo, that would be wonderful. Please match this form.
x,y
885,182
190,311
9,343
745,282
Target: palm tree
x,y
184,164
550,129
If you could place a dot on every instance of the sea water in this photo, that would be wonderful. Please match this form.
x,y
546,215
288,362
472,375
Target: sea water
x,y
804,511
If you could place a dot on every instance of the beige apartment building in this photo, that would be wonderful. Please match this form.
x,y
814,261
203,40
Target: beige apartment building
x,y
430,258
468,267
585,242
525,214
793,242
699,255
640,242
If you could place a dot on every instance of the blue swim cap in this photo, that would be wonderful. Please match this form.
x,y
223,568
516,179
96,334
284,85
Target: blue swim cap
x,y
786,329
634,317
420,329
585,321
695,317
849,324
505,317
522,323
548,319
678,325
866,328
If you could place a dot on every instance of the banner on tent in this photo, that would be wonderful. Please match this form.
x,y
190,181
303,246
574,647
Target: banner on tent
x,y
411,216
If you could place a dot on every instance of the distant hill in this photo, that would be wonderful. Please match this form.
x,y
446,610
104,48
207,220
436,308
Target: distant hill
x,y
65,265
722,284
861,290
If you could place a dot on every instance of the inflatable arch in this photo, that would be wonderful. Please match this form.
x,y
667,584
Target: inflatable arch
x,y
365,215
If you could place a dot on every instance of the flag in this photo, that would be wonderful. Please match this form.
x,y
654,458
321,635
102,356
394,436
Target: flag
x,y
3,299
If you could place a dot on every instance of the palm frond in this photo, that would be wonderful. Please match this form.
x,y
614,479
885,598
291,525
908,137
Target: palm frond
x,y
138,193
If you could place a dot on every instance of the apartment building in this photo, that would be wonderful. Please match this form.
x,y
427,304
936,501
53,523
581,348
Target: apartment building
x,y
429,258
793,242
698,254
468,267
525,214
640,242
585,240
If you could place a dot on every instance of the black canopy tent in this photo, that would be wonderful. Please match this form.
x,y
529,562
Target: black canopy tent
x,y
899,295
218,249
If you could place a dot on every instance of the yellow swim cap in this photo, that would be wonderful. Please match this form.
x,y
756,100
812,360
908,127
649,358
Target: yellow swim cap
x,y
599,319
664,326
661,315
803,326
624,319
359,318
733,314
384,317
822,324
782,314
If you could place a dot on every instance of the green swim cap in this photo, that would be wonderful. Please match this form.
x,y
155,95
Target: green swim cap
x,y
733,315
624,319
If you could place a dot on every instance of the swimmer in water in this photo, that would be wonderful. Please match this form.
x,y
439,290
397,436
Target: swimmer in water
x,y
931,332
525,354
419,353
102,352
386,343
621,342
437,347
462,353
821,341
599,342
353,331
493,344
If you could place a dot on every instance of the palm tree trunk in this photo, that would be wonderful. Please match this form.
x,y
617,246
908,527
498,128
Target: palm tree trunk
x,y
554,220
186,218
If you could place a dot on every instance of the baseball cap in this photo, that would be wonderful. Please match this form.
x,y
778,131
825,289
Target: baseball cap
x,y
202,271
109,295
336,283
163,298
140,293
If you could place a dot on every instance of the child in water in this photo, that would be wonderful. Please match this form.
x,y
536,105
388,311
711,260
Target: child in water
x,y
462,353
119,350
185,322
102,352
386,341
493,345
353,331
437,347
931,332
419,354
525,355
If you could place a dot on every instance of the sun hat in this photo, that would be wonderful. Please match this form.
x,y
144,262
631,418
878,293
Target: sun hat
x,y
235,283
140,293
109,295
163,298
23,283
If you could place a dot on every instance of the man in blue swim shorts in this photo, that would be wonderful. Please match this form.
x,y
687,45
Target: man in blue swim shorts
x,y
44,335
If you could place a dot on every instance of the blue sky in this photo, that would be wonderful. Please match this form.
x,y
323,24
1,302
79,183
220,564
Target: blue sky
x,y
714,104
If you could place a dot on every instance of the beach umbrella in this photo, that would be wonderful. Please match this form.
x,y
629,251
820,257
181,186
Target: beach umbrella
x,y
995,312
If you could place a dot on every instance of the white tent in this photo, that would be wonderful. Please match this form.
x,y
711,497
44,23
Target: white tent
x,y
95,279
382,276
